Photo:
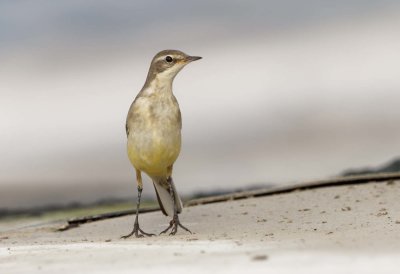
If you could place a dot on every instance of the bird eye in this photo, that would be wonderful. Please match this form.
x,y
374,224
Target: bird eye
x,y
168,59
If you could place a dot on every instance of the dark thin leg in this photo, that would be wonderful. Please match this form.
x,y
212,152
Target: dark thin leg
x,y
136,229
174,223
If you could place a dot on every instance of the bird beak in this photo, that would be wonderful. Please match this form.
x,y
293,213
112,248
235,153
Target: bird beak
x,y
192,58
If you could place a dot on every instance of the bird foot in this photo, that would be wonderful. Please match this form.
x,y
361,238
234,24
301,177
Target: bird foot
x,y
138,232
173,225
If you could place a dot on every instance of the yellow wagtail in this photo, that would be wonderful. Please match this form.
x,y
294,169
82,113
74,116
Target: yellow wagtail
x,y
153,128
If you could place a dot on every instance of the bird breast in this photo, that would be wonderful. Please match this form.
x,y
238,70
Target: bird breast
x,y
154,139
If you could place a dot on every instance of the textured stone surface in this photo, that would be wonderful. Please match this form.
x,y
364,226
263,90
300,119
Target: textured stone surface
x,y
354,227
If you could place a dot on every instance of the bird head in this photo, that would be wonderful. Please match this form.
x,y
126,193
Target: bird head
x,y
167,63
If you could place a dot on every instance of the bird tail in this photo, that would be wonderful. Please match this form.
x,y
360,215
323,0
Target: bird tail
x,y
164,198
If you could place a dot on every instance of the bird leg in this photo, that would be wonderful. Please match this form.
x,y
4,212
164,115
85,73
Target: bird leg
x,y
174,223
137,231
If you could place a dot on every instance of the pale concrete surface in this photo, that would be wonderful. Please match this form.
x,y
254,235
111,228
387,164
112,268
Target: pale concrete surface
x,y
346,229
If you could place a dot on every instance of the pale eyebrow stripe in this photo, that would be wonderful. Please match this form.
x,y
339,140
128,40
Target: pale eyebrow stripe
x,y
161,57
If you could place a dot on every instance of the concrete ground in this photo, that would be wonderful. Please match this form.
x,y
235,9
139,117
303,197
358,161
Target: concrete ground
x,y
336,229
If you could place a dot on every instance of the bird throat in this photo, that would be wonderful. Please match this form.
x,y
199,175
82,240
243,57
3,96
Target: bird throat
x,y
159,86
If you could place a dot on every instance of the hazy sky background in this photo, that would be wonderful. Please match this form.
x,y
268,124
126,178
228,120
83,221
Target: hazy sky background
x,y
288,90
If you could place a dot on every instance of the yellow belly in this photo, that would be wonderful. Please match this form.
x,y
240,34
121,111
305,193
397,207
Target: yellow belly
x,y
154,153
154,133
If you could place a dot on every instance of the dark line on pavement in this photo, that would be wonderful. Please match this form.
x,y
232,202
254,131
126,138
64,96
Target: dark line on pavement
x,y
347,180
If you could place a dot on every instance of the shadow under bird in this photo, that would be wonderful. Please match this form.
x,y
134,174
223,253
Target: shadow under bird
x,y
153,129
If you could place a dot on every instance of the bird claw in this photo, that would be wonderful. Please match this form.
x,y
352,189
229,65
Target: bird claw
x,y
173,225
138,232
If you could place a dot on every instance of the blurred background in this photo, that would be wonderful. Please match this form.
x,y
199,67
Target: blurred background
x,y
287,91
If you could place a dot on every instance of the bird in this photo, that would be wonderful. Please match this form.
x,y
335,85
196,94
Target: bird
x,y
153,130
